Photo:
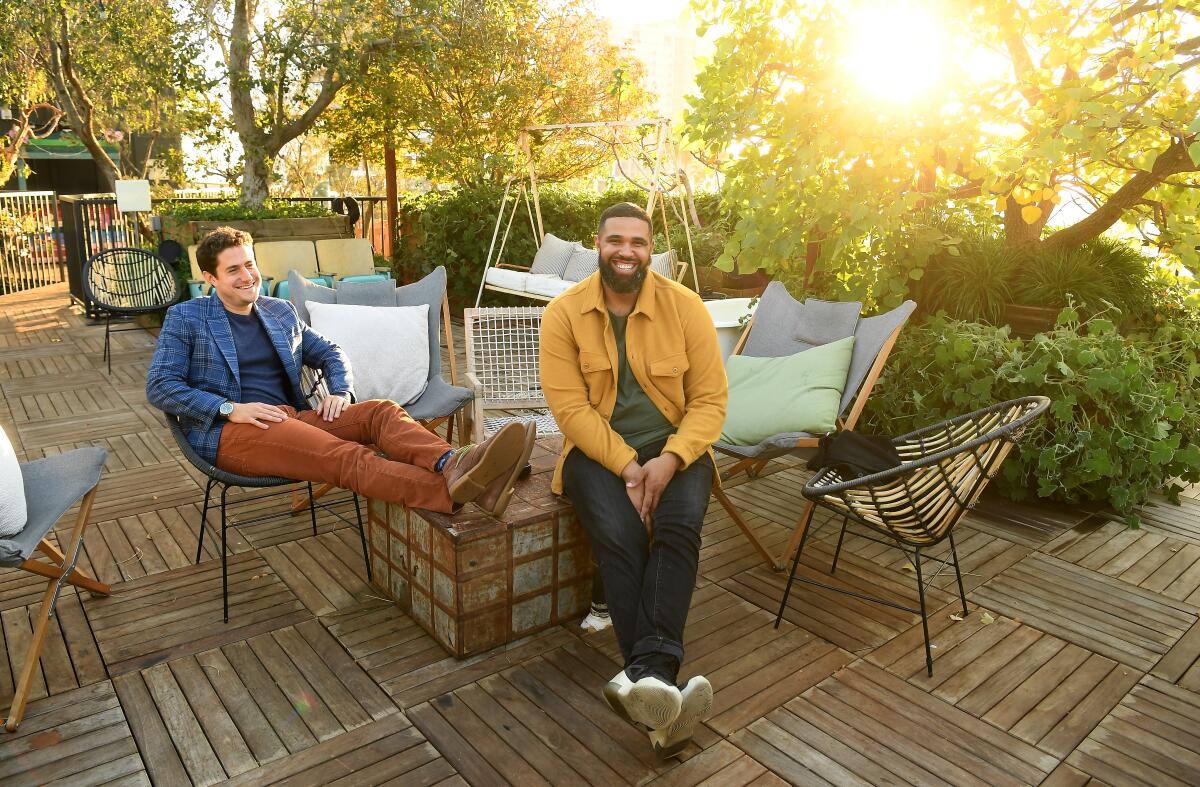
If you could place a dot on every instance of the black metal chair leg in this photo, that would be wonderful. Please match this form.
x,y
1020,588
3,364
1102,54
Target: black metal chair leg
x,y
924,617
962,593
841,537
204,518
107,350
792,575
312,507
362,534
224,564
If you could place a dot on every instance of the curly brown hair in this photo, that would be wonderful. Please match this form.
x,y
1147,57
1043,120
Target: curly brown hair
x,y
217,241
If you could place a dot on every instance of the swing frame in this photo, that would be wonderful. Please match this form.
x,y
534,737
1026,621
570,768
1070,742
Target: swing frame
x,y
526,190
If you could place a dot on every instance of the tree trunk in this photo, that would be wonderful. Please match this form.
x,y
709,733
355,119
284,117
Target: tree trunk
x,y
256,177
1017,232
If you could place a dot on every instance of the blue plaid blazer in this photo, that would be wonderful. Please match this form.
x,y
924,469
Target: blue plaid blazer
x,y
195,365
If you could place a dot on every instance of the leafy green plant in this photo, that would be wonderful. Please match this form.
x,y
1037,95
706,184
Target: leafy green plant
x,y
1124,419
232,211
1052,279
972,282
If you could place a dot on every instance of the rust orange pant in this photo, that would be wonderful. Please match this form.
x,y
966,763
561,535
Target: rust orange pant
x,y
308,448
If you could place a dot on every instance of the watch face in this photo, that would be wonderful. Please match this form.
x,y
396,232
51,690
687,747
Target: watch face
x,y
227,408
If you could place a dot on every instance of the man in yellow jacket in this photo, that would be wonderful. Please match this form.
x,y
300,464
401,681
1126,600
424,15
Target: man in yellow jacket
x,y
631,368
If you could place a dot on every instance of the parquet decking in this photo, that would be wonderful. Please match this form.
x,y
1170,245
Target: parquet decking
x,y
1079,660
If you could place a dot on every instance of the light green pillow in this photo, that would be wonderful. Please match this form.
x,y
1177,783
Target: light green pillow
x,y
795,393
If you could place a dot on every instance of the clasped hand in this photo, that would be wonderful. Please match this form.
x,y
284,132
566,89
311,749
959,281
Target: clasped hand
x,y
645,483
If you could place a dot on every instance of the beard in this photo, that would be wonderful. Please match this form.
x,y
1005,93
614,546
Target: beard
x,y
620,282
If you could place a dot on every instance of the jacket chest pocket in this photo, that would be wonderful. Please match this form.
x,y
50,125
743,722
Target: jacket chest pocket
x,y
597,374
670,366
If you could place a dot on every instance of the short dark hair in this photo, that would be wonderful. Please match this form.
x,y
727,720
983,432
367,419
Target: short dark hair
x,y
217,241
624,210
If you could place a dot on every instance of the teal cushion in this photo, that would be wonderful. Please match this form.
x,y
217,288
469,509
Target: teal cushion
x,y
793,393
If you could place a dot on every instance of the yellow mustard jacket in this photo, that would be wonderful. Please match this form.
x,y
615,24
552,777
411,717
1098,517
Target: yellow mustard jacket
x,y
672,350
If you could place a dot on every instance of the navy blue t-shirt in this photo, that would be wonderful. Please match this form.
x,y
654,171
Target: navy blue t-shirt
x,y
263,377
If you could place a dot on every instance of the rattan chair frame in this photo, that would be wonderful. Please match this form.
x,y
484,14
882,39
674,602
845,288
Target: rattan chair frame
x,y
945,468
127,296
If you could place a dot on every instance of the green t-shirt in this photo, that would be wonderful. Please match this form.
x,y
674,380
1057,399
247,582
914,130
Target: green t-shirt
x,y
634,416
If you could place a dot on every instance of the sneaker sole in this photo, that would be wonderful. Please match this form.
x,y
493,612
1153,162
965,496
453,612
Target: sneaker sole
x,y
494,461
695,709
653,706
612,695
518,469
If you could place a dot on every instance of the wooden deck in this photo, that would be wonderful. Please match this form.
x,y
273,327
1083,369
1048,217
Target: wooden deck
x,y
1085,667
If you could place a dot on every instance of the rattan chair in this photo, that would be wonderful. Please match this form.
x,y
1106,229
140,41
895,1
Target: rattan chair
x,y
502,369
127,282
916,505
224,479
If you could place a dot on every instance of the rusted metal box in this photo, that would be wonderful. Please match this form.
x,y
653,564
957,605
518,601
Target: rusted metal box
x,y
475,582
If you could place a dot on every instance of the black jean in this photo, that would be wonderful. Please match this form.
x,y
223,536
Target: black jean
x,y
648,579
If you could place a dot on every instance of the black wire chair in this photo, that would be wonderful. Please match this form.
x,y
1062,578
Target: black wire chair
x,y
916,505
126,282
217,476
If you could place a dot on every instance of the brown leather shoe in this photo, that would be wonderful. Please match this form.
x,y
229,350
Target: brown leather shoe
x,y
495,498
474,467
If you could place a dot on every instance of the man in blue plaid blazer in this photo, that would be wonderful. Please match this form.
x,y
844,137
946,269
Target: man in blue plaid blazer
x,y
228,366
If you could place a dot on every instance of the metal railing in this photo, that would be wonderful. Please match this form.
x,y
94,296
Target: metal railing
x,y
92,224
31,241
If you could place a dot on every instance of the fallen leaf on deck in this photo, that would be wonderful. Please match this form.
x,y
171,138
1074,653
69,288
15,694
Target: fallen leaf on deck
x,y
987,619
956,618
909,567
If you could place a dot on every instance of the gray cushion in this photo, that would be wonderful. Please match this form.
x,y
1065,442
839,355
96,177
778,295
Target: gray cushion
x,y
583,263
429,290
380,292
301,290
440,399
552,256
661,264
52,486
771,448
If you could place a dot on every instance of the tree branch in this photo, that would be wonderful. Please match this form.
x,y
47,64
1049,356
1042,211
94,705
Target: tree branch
x,y
1173,161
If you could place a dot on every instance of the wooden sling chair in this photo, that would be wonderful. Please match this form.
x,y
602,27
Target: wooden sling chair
x,y
52,486
783,326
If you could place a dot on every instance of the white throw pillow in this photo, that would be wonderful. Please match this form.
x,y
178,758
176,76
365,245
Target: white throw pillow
x,y
13,513
388,347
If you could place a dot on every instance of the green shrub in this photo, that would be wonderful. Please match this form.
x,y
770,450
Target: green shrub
x,y
975,278
1124,419
230,210
454,228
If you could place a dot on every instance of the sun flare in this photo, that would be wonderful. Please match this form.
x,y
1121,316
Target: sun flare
x,y
896,51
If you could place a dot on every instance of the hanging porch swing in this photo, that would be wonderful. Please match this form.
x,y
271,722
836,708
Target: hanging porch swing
x,y
559,264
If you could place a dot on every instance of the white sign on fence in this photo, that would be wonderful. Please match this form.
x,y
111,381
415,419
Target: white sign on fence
x,y
133,196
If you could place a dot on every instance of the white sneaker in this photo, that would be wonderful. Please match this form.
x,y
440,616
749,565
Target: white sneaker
x,y
697,699
649,701
596,621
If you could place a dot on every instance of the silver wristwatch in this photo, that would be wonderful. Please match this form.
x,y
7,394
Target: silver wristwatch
x,y
226,409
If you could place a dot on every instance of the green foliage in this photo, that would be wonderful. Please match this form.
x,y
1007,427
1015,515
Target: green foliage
x,y
1124,419
232,210
462,81
454,228
974,279
1091,98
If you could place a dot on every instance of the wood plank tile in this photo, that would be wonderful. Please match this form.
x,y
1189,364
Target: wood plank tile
x,y
230,711
1042,689
79,737
1104,615
1149,738
850,623
864,726
164,616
